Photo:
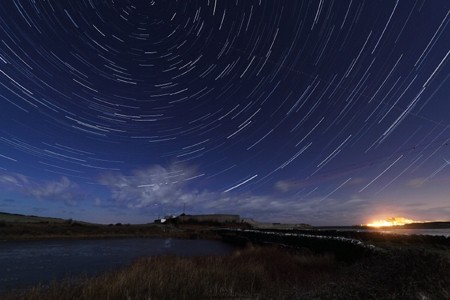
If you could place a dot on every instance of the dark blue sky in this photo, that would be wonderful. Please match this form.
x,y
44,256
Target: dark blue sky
x,y
321,112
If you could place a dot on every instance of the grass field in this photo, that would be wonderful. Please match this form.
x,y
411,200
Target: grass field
x,y
16,218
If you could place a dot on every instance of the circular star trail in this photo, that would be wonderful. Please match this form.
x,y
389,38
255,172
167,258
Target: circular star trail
x,y
306,111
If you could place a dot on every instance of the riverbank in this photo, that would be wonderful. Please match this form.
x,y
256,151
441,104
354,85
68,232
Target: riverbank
x,y
262,273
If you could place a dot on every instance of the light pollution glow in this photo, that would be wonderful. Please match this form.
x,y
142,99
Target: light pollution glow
x,y
394,221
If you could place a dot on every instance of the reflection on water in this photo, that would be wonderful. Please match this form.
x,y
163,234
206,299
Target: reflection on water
x,y
440,231
24,263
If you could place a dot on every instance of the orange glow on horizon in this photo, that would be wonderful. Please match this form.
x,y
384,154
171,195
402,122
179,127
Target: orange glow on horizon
x,y
395,221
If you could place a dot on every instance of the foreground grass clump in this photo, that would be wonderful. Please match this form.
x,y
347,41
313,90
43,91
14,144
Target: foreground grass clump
x,y
263,273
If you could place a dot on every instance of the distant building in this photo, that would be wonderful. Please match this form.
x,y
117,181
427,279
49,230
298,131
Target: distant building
x,y
165,219
213,218
281,226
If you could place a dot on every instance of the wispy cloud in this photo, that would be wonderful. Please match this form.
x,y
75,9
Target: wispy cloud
x,y
13,180
416,182
289,185
63,190
154,185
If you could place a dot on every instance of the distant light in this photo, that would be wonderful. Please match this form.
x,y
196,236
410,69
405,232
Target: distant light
x,y
396,221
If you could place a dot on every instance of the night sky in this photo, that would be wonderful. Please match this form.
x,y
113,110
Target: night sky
x,y
320,112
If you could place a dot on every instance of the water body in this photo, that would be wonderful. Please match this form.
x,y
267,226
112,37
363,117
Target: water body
x,y
441,231
26,263
437,231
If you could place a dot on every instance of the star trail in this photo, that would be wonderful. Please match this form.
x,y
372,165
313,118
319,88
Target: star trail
x,y
319,111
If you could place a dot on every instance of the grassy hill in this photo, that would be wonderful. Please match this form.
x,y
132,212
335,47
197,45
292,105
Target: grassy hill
x,y
17,218
22,227
428,225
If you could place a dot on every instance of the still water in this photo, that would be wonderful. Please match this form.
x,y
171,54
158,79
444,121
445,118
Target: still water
x,y
440,231
25,263
418,231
